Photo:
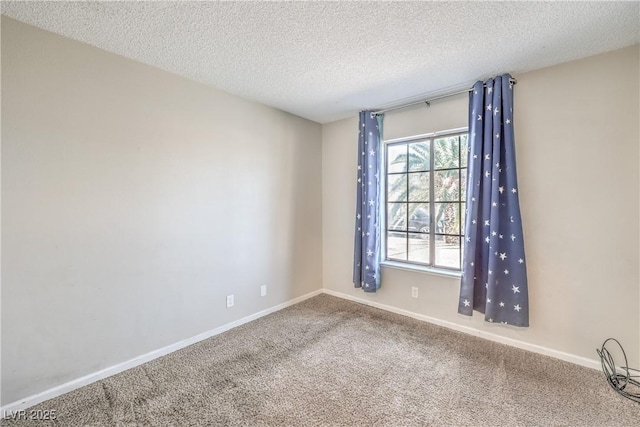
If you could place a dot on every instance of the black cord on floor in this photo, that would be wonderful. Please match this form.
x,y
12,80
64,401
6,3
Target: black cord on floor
x,y
622,382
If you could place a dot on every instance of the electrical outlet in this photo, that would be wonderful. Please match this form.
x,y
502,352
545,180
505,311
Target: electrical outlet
x,y
229,301
414,292
263,290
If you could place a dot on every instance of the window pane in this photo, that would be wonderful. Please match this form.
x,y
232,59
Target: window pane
x,y
448,252
446,185
464,149
419,217
463,185
419,187
419,156
410,201
397,216
446,152
419,248
397,188
397,246
397,158
448,218
463,215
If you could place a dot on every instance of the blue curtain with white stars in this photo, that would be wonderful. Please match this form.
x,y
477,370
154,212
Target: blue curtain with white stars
x,y
366,257
494,274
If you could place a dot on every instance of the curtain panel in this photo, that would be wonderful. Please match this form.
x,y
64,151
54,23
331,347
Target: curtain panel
x,y
494,271
366,257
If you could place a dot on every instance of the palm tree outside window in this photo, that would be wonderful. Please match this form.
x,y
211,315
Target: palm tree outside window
x,y
425,192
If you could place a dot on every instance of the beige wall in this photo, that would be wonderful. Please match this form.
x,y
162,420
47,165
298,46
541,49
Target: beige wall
x,y
577,141
133,202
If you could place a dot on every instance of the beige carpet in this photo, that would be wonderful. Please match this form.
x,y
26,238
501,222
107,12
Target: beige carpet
x,y
331,362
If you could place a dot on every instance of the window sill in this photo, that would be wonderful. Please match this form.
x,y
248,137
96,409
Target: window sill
x,y
421,269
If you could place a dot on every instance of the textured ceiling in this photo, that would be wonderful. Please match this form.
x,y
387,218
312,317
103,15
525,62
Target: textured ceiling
x,y
327,60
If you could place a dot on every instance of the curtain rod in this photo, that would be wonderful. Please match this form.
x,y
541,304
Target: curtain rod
x,y
427,101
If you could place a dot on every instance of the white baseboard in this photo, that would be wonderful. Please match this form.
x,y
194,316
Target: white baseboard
x,y
567,357
132,363
30,401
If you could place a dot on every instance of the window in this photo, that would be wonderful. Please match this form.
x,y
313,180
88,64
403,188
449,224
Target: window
x,y
425,190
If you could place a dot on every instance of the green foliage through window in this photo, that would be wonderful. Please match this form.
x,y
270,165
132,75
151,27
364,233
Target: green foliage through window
x,y
426,179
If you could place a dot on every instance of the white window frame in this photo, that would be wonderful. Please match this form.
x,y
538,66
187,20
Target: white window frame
x,y
398,264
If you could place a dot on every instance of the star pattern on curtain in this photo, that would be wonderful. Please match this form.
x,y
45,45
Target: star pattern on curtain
x,y
366,260
494,278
